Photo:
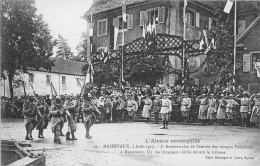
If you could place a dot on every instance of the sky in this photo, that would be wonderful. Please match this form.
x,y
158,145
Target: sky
x,y
64,18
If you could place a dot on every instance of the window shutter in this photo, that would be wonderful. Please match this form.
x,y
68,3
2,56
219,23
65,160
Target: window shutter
x,y
142,17
210,22
246,62
161,14
117,22
114,21
197,19
130,21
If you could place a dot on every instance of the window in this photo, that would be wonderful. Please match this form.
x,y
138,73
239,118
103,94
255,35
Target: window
x,y
150,14
31,77
255,57
120,19
190,18
102,27
63,80
153,14
48,79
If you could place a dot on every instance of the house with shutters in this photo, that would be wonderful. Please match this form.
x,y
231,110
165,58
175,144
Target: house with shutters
x,y
66,77
104,15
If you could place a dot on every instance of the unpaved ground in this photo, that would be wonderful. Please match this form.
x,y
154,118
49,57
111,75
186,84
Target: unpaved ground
x,y
145,144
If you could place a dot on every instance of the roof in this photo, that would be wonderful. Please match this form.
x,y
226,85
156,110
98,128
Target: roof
x,y
248,29
63,66
99,6
105,5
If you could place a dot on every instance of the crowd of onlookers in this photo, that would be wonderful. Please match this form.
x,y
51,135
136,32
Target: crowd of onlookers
x,y
113,102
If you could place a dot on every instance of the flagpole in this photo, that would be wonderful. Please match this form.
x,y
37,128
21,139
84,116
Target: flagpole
x,y
123,40
235,37
184,34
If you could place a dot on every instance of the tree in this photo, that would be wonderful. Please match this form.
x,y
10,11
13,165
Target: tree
x,y
82,47
63,48
26,40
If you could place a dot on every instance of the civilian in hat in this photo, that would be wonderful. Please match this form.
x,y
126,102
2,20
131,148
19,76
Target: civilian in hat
x,y
203,102
89,109
244,107
147,108
212,108
108,106
166,109
255,116
58,111
185,107
221,113
30,112
156,108
230,109
101,108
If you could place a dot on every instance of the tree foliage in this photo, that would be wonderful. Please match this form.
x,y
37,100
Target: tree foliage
x,y
82,47
26,40
63,48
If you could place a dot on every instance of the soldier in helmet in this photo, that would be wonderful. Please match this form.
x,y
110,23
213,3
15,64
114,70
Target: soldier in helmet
x,y
71,106
88,109
30,112
58,111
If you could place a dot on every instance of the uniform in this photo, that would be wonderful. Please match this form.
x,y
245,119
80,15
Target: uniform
x,y
132,107
244,109
166,108
156,108
101,108
230,110
30,112
58,112
43,121
72,127
108,107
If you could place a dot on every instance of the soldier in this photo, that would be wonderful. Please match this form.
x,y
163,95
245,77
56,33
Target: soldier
x,y
185,107
70,105
203,102
212,109
255,116
147,108
166,108
221,113
132,107
88,109
244,107
58,111
30,112
230,109
156,108
43,121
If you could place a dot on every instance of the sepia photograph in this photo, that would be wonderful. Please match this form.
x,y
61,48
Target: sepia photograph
x,y
130,82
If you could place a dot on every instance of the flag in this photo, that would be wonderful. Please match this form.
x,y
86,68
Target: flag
x,y
201,44
144,31
91,29
89,74
228,6
213,43
115,36
153,30
185,3
124,12
206,37
149,31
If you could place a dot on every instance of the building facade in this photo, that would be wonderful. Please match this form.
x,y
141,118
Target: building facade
x,y
66,77
168,14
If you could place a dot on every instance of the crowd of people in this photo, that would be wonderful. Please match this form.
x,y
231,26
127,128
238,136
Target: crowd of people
x,y
210,105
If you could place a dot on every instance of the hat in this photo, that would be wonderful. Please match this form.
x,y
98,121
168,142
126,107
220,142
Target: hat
x,y
31,96
222,95
231,95
203,94
211,94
